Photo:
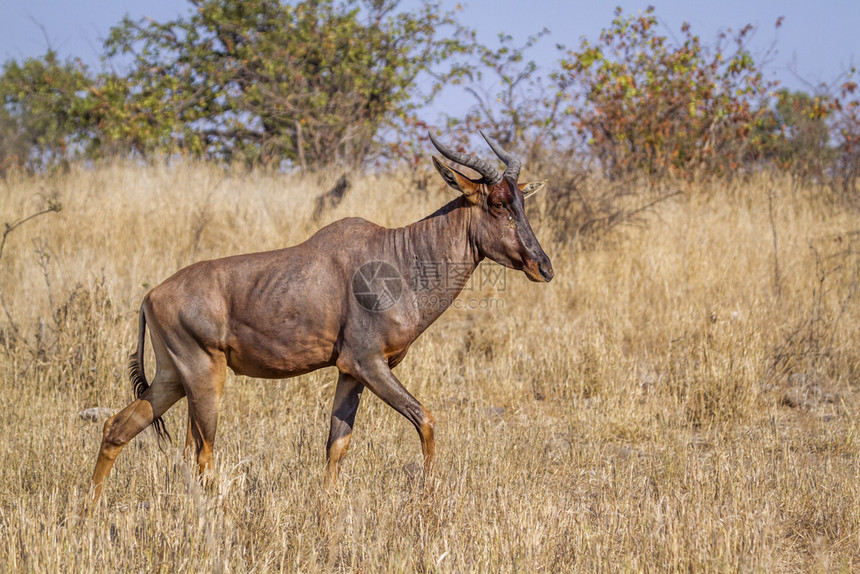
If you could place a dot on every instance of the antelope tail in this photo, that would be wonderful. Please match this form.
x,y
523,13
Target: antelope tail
x,y
137,375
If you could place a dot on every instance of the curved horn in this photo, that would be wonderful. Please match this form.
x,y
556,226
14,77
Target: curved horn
x,y
513,165
489,173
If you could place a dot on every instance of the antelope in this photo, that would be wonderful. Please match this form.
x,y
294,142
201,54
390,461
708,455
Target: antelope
x,y
353,296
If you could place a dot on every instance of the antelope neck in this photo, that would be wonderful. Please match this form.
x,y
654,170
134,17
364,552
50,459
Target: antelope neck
x,y
442,244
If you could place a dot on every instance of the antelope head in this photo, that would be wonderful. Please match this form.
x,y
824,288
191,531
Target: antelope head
x,y
501,230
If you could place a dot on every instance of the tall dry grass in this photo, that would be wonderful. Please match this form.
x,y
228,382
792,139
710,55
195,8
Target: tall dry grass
x,y
673,400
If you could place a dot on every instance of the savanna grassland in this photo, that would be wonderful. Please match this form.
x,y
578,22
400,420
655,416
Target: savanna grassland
x,y
683,395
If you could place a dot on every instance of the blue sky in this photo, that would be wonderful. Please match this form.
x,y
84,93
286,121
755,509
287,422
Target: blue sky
x,y
818,40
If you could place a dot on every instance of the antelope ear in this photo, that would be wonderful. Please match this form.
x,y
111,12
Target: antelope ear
x,y
458,181
532,187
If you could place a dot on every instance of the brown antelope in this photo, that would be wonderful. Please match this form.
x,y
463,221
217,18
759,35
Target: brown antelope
x,y
352,297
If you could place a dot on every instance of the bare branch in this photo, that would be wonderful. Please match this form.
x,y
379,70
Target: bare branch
x,y
53,206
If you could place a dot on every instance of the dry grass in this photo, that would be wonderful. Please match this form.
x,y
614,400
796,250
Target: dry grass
x,y
662,405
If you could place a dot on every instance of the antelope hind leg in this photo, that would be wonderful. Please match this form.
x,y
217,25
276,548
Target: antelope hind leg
x,y
126,424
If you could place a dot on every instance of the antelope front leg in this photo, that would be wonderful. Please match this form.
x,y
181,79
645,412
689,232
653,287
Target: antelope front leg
x,y
346,399
377,377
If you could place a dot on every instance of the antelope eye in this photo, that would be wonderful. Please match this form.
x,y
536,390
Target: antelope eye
x,y
498,204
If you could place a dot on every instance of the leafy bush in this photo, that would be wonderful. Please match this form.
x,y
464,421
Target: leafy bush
x,y
44,112
798,133
846,126
315,83
312,82
643,104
